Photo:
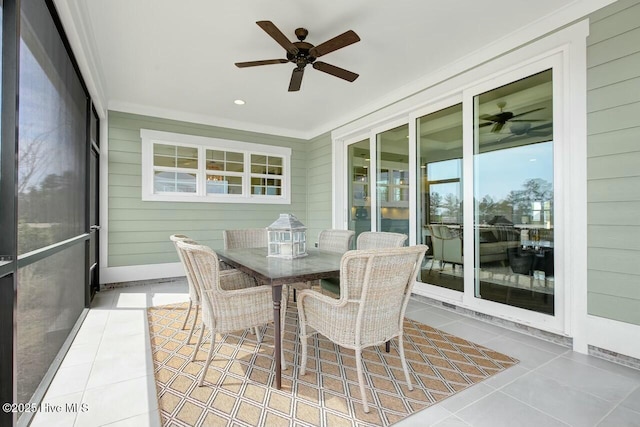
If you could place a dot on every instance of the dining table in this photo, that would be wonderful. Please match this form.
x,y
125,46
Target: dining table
x,y
277,272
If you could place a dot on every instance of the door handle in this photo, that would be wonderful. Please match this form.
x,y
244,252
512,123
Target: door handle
x,y
95,228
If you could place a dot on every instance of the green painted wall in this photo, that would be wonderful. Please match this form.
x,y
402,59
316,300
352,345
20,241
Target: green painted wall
x,y
139,231
319,181
613,180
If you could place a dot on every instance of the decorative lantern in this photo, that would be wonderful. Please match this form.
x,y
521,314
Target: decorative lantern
x,y
287,238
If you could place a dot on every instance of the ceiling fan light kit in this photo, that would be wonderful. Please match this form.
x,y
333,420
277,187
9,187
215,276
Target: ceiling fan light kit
x,y
302,53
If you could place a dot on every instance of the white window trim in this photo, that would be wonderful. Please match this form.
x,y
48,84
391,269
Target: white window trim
x,y
202,143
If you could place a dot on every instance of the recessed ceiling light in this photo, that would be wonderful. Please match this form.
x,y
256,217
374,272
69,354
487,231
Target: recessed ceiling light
x,y
239,102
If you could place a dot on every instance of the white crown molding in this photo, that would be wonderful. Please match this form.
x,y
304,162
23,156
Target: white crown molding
x,y
75,21
204,119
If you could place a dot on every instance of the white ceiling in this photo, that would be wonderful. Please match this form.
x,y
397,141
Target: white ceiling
x,y
176,58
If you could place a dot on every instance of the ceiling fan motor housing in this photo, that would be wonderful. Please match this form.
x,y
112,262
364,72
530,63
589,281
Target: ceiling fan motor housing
x,y
302,58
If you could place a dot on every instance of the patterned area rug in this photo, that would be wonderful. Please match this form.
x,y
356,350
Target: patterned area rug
x,y
239,385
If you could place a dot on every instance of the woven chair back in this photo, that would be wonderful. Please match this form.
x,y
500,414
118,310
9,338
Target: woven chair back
x,y
378,284
379,239
339,241
194,292
245,238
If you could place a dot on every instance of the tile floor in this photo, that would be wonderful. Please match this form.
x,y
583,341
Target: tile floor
x,y
109,371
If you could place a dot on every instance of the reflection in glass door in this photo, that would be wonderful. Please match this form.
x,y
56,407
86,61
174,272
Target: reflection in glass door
x,y
359,213
94,208
392,180
440,197
513,192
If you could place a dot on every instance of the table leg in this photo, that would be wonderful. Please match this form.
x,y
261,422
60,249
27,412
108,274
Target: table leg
x,y
276,292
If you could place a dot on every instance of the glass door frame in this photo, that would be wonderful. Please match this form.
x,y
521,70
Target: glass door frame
x,y
557,322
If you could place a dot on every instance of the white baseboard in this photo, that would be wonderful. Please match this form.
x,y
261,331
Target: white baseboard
x,y
614,336
140,272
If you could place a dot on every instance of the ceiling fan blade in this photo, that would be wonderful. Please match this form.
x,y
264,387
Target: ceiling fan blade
x,y
277,35
529,120
497,128
543,126
338,42
256,63
335,71
527,112
490,117
296,79
481,125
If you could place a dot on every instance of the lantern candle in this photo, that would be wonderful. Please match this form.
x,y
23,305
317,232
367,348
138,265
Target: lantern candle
x,y
287,238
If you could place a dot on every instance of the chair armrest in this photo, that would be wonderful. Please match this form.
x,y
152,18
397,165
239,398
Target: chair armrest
x,y
235,279
247,299
241,308
320,297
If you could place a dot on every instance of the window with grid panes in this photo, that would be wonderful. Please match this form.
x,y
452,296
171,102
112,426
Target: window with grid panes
x,y
266,175
177,167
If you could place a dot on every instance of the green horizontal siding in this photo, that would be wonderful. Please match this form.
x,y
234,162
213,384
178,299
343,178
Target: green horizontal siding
x,y
614,214
626,15
614,260
623,285
624,44
319,181
613,162
614,307
612,72
139,231
614,142
612,9
614,237
619,93
614,166
612,119
614,190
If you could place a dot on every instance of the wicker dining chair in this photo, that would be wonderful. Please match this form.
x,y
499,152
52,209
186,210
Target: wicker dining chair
x,y
194,294
379,239
230,302
376,286
339,241
330,240
245,238
367,240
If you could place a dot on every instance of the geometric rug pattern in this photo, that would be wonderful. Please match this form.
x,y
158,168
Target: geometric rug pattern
x,y
239,385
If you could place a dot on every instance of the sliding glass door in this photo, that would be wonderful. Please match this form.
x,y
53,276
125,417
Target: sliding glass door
x,y
494,173
514,194
440,207
392,180
359,212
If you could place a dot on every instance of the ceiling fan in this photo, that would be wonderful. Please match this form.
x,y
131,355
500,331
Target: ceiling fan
x,y
302,53
498,120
